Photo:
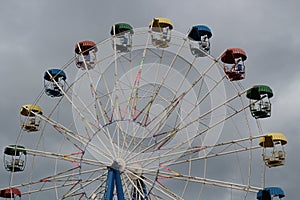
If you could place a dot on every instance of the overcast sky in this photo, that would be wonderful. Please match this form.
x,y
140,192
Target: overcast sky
x,y
39,34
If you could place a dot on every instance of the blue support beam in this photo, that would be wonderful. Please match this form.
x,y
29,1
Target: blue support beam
x,y
144,190
119,188
114,180
114,177
110,185
141,186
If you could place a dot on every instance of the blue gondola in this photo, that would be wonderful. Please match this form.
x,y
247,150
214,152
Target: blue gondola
x,y
270,192
54,81
200,40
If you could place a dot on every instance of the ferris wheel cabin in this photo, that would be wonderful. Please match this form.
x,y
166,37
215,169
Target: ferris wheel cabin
x,y
260,105
29,121
234,67
122,37
14,158
199,37
161,32
10,193
273,150
85,54
54,82
270,193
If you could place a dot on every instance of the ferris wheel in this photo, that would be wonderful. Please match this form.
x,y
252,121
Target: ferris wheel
x,y
147,114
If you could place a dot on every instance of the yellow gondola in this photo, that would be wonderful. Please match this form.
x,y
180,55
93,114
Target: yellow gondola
x,y
161,32
273,150
29,121
157,24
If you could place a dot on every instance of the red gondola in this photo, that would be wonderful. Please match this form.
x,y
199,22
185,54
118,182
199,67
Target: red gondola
x,y
235,56
85,54
10,193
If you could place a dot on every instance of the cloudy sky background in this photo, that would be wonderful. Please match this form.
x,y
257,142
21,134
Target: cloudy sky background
x,y
36,35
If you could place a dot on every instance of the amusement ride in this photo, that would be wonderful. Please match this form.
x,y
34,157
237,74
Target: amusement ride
x,y
146,114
